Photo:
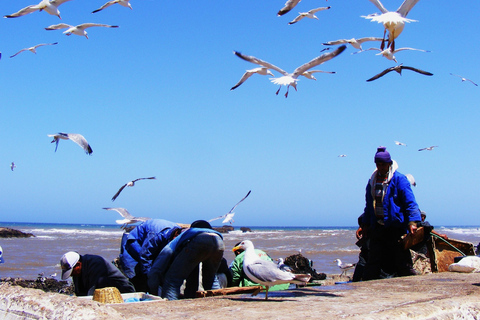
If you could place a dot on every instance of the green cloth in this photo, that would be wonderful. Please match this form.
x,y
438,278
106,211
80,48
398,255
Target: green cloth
x,y
240,279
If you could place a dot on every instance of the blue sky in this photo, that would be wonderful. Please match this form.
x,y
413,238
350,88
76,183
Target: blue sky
x,y
153,98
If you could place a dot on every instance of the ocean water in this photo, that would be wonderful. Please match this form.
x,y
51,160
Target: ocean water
x,y
29,257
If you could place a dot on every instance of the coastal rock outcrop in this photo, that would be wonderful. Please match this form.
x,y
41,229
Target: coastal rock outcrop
x,y
224,229
13,233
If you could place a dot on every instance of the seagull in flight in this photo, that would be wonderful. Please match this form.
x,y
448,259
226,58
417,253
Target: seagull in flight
x,y
128,184
393,21
79,30
34,48
128,218
344,267
389,54
75,137
428,148
289,5
262,70
398,143
12,166
49,6
229,216
342,155
411,179
356,43
266,272
463,79
290,79
399,69
309,14
124,3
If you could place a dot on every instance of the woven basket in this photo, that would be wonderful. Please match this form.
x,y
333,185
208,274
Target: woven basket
x,y
107,295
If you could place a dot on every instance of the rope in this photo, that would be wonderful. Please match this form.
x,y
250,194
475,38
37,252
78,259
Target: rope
x,y
451,245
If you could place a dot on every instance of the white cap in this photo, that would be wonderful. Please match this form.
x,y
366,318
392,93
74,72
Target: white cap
x,y
67,262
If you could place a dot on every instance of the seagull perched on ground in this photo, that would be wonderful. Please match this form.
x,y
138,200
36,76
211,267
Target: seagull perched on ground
x,y
125,3
344,267
389,54
310,14
34,48
282,266
356,43
128,184
289,5
290,79
399,69
128,218
463,79
229,216
75,137
265,272
398,143
393,21
50,6
12,166
263,71
411,179
79,30
428,148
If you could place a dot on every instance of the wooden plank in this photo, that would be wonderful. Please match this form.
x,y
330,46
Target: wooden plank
x,y
225,291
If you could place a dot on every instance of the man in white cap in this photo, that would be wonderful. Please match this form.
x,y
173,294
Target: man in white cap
x,y
90,272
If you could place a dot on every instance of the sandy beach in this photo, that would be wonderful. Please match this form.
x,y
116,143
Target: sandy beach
x,y
444,295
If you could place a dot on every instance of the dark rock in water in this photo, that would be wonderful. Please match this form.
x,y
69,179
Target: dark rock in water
x,y
300,264
12,233
224,229
45,284
245,229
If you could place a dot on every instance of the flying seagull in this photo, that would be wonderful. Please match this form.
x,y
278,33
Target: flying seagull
x,y
428,148
289,5
342,155
399,69
79,30
229,216
128,184
463,79
393,21
344,267
128,218
290,79
398,143
309,74
12,166
124,3
49,6
34,48
309,14
266,272
411,179
389,54
75,137
249,73
356,43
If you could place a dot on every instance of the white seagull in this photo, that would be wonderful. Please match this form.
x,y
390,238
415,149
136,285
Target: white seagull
x,y
411,179
463,79
342,155
282,266
309,14
75,137
229,216
398,143
265,272
50,6
34,48
290,79
124,3
399,69
128,184
344,267
12,166
393,21
356,43
428,148
263,71
389,54
128,218
79,30
309,74
289,5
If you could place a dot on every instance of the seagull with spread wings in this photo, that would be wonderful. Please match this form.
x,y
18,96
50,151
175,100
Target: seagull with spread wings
x,y
309,14
124,3
398,143
428,148
128,218
289,5
399,69
75,137
128,184
262,71
356,43
34,48
12,166
463,79
290,79
79,30
49,6
229,216
389,54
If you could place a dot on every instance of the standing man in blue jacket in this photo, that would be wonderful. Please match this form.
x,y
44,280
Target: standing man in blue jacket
x,y
390,212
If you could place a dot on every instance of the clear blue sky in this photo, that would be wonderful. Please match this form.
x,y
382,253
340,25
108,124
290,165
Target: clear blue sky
x,y
153,99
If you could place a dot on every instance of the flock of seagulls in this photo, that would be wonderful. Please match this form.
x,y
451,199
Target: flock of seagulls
x,y
229,216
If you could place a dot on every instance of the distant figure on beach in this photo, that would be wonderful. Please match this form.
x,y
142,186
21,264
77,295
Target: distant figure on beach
x,y
240,279
90,272
390,211
180,260
141,246
1,255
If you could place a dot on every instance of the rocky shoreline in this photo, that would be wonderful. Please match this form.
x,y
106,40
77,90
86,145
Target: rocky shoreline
x,y
13,233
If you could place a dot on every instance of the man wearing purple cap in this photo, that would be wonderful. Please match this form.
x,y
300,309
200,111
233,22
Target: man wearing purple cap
x,y
390,212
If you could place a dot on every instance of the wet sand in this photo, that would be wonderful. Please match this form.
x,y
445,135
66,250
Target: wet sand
x,y
434,296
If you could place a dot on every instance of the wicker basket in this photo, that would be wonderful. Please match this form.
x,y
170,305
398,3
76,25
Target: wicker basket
x,y
107,295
